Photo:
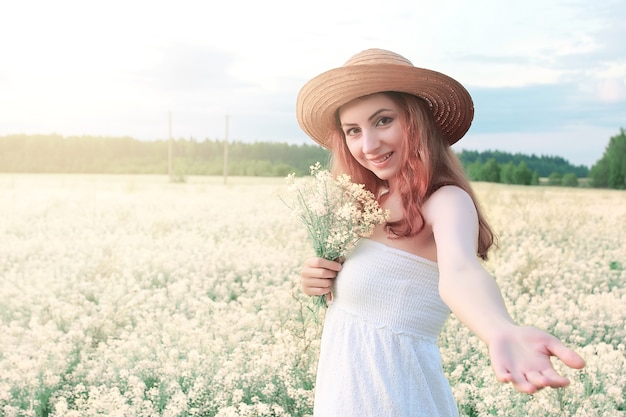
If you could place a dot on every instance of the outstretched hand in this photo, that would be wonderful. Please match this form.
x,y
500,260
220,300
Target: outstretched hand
x,y
522,355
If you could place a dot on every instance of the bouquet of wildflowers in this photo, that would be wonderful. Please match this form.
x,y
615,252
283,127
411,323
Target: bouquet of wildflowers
x,y
335,211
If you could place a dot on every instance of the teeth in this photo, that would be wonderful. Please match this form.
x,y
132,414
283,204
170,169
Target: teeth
x,y
383,159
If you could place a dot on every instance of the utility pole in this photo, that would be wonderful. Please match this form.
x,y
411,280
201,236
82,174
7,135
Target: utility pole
x,y
226,152
169,148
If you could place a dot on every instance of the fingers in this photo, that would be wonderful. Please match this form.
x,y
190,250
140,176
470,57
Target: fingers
x,y
522,384
551,378
322,263
317,275
532,381
316,286
547,378
519,381
565,354
522,358
537,380
503,375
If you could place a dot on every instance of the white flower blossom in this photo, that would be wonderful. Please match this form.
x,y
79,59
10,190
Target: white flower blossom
x,y
136,297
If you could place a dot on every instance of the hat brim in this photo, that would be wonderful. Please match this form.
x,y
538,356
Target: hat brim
x,y
451,104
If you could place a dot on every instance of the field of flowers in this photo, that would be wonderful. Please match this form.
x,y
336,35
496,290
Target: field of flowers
x,y
134,296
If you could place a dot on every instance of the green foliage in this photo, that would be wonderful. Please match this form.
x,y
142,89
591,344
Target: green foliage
x,y
599,174
114,155
519,169
490,171
474,171
610,170
506,173
522,174
535,178
554,179
544,165
569,180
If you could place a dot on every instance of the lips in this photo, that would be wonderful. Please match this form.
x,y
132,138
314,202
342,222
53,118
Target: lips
x,y
381,159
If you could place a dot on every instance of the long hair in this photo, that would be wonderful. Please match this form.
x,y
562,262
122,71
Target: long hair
x,y
430,164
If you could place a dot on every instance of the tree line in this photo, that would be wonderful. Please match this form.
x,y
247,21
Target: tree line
x,y
520,174
544,165
125,155
610,170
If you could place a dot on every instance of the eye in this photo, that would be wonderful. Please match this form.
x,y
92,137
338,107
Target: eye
x,y
385,120
352,131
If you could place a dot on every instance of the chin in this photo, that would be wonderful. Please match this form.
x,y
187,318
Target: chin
x,y
384,175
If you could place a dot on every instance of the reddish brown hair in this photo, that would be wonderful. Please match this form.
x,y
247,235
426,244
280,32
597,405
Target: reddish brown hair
x,y
430,164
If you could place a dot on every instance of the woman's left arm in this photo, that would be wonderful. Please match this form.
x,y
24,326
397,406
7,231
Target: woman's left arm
x,y
519,354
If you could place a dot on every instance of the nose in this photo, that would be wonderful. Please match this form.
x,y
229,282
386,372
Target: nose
x,y
370,142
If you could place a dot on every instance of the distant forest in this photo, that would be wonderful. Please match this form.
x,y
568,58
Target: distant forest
x,y
125,155
544,165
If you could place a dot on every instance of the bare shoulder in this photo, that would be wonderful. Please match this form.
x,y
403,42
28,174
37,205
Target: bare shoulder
x,y
448,202
453,217
449,195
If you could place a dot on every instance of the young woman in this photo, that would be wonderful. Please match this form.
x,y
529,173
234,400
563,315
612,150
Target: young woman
x,y
390,125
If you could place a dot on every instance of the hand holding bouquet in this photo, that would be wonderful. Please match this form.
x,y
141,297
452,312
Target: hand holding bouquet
x,y
335,211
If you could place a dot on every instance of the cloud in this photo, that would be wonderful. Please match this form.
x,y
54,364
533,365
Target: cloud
x,y
183,67
533,68
612,90
547,107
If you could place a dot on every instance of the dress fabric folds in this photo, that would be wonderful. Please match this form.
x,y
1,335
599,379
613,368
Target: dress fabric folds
x,y
379,355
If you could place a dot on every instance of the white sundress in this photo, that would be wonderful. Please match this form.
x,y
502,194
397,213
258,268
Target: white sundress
x,y
379,355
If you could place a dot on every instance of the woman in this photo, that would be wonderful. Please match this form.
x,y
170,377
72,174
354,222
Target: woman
x,y
390,125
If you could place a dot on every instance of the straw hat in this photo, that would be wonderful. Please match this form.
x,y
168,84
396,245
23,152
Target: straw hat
x,y
374,71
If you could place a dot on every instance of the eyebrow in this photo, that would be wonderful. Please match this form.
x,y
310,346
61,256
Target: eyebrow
x,y
373,116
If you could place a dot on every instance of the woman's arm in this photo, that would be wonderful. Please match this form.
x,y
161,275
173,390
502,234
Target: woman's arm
x,y
520,355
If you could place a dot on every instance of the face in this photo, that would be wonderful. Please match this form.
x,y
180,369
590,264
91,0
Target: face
x,y
373,133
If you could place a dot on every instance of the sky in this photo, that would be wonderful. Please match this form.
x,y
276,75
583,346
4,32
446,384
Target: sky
x,y
548,77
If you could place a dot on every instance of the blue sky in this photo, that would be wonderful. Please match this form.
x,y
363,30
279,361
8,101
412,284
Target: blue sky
x,y
547,76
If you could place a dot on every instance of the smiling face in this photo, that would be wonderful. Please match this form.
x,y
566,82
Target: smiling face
x,y
374,134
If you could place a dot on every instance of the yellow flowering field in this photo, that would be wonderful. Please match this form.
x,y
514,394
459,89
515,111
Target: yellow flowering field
x,y
134,296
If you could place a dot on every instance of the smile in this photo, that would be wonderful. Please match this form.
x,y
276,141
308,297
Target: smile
x,y
382,159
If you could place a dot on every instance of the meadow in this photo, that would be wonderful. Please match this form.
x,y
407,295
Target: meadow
x,y
133,296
